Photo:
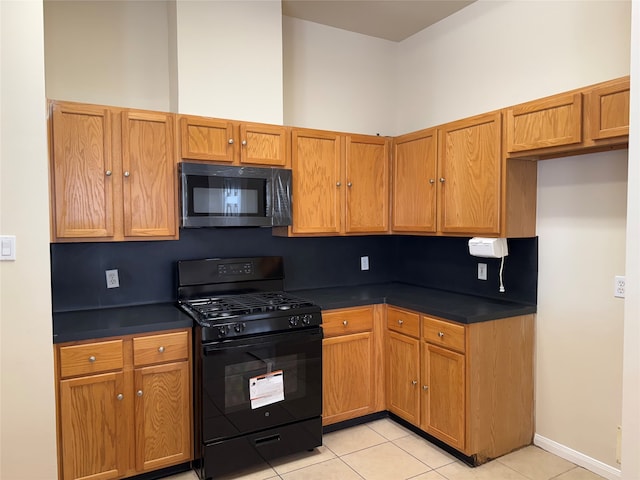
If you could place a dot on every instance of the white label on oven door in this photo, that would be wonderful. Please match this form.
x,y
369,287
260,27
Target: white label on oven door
x,y
266,389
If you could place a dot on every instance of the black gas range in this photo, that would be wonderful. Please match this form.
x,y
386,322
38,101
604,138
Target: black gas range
x,y
257,363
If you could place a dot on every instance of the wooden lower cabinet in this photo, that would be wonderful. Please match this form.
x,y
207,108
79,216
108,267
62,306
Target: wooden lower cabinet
x,y
403,365
117,418
352,369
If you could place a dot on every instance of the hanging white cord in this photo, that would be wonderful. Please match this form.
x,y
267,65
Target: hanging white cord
x,y
501,267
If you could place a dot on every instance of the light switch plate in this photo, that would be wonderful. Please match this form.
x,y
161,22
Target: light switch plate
x,y
364,263
7,247
482,271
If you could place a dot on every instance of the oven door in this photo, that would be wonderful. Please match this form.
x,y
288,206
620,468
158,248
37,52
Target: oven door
x,y
260,382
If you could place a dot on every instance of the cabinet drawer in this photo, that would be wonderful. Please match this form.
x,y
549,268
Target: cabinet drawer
x,y
91,358
401,321
445,334
167,347
345,322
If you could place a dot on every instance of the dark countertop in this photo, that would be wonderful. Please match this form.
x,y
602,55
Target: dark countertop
x,y
439,303
110,322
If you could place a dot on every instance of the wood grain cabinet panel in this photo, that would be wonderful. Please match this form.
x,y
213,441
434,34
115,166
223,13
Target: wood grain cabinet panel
x,y
113,174
126,421
608,106
403,321
265,145
347,321
403,376
206,139
470,176
163,348
414,182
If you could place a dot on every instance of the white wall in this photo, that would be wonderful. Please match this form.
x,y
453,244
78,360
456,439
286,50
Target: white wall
x,y
230,59
108,52
338,80
498,53
27,405
631,378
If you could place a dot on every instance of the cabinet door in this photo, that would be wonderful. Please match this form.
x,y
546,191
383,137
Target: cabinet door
x,y
93,423
367,177
470,176
263,145
149,175
347,377
609,110
414,182
548,122
317,182
163,415
82,171
403,362
206,139
443,387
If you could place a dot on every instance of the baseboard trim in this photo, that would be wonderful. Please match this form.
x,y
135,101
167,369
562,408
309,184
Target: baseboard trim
x,y
591,464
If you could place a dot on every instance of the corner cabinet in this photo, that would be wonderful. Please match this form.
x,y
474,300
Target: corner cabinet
x,y
237,143
112,174
352,367
124,405
340,183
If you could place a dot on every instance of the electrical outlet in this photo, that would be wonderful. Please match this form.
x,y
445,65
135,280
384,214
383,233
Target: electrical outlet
x,y
619,286
112,278
482,271
364,263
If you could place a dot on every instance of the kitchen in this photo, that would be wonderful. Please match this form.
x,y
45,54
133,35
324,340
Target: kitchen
x,y
258,109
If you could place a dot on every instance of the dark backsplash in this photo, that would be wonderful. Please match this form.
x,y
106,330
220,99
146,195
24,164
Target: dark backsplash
x,y
147,270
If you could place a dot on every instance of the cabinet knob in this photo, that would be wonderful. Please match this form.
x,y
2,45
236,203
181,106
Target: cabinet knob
x,y
425,387
441,334
338,184
414,382
441,179
139,393
349,184
92,358
244,142
432,181
344,322
108,173
120,396
231,141
126,174
400,322
161,349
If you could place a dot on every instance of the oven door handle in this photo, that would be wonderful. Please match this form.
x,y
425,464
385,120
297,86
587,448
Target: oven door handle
x,y
312,335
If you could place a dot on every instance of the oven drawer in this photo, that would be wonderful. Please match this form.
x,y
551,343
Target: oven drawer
x,y
445,334
167,347
347,321
91,358
402,321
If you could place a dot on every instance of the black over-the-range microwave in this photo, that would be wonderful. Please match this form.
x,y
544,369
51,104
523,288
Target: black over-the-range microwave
x,y
229,196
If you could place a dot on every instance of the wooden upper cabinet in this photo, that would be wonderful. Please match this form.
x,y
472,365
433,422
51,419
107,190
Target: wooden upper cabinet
x,y
82,171
414,182
206,139
264,145
608,109
548,122
226,141
469,179
149,174
367,184
317,186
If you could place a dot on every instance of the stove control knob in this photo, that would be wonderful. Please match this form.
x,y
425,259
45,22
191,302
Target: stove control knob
x,y
239,327
306,319
223,330
293,321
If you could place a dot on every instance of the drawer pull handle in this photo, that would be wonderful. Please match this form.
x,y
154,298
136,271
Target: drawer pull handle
x,y
414,382
92,358
161,349
441,334
139,393
345,323
425,387
400,322
120,396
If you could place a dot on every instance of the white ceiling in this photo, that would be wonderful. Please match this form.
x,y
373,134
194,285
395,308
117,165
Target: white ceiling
x,y
389,19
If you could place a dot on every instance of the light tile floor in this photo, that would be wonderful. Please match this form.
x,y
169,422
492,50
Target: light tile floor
x,y
384,450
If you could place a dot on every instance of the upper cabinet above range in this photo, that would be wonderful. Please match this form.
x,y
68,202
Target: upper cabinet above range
x,y
233,143
580,121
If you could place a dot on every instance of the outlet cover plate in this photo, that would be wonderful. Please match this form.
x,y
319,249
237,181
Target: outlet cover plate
x,y
112,278
619,285
364,263
482,271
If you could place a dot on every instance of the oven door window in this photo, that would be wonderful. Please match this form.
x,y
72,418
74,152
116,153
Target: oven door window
x,y
226,196
258,383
